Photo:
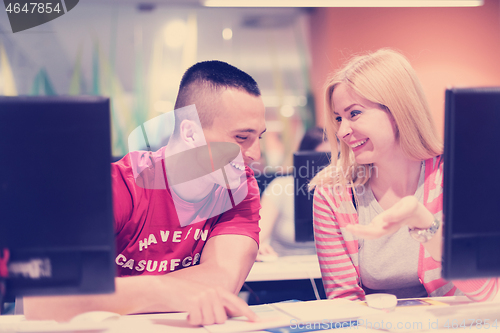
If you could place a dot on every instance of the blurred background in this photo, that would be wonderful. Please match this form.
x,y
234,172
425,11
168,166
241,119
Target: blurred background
x,y
136,51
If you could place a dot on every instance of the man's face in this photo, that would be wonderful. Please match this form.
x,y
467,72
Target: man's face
x,y
240,119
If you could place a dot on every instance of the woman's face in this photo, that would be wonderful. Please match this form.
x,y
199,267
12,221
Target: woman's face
x,y
365,126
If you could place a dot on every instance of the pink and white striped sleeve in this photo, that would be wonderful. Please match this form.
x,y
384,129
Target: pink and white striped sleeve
x,y
479,290
340,277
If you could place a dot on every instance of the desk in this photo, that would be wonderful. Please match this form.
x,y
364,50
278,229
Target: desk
x,y
456,308
286,268
288,277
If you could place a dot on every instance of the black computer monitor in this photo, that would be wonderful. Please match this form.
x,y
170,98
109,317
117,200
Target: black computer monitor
x,y
471,199
55,195
306,165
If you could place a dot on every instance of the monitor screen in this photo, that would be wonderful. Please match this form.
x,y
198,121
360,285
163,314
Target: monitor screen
x,y
306,165
55,195
471,207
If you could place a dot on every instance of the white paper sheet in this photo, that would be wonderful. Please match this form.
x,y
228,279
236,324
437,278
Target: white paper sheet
x,y
323,313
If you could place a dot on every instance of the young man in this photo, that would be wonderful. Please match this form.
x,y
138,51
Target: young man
x,y
174,253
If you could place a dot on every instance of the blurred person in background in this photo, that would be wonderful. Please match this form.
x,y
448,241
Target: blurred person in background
x,y
277,236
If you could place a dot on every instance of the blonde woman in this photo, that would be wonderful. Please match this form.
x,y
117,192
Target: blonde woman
x,y
386,234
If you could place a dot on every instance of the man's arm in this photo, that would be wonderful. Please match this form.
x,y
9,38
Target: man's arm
x,y
205,291
225,262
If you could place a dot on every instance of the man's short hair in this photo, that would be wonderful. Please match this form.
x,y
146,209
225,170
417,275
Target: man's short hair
x,y
202,82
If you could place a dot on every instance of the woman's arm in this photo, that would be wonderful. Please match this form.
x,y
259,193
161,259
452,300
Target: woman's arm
x,y
340,277
408,211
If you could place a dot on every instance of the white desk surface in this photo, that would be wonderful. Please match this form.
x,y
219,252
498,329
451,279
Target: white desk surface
x,y
427,318
286,268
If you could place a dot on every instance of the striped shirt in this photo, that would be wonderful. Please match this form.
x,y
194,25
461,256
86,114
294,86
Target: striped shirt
x,y
337,248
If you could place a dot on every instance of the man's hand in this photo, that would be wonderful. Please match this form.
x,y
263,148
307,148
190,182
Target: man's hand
x,y
207,291
407,211
205,305
214,306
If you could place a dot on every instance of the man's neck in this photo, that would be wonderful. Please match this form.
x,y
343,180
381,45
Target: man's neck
x,y
193,190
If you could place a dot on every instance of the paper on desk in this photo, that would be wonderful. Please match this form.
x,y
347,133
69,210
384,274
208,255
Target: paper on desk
x,y
289,314
269,317
328,309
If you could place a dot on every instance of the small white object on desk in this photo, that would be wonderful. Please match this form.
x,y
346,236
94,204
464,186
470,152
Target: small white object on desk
x,y
385,302
95,317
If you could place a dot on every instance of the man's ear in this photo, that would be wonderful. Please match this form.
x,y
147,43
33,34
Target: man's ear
x,y
191,133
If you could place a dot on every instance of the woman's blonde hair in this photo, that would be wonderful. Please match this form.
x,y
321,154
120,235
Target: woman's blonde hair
x,y
384,77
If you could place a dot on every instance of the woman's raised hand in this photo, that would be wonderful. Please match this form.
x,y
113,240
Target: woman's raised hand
x,y
407,211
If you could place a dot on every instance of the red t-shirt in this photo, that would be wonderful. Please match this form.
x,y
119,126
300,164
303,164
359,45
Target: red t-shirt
x,y
149,237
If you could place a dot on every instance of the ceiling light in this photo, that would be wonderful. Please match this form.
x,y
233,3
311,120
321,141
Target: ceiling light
x,y
287,111
227,34
175,33
342,3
